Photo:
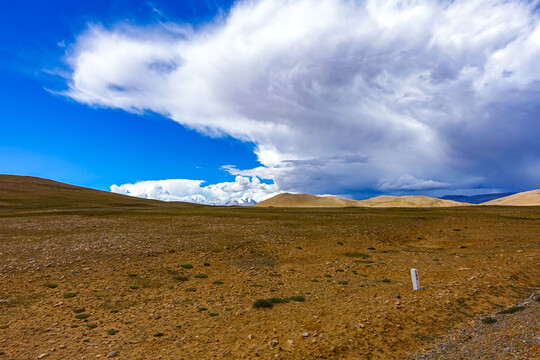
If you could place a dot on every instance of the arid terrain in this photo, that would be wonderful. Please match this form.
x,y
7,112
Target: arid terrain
x,y
101,275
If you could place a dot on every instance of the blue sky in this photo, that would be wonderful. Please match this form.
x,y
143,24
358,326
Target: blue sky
x,y
232,102
55,137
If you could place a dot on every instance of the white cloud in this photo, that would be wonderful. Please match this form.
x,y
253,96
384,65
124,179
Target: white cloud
x,y
409,182
339,94
242,191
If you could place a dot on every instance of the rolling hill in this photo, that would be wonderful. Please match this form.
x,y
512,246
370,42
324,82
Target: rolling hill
x,y
27,192
305,200
527,198
476,199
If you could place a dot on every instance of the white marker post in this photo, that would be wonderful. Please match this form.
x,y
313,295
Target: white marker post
x,y
415,280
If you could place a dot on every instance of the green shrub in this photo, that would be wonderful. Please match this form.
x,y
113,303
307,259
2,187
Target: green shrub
x,y
213,314
489,320
201,309
112,332
52,285
186,266
4,326
207,264
134,287
132,275
191,289
78,310
340,243
263,303
181,278
159,334
298,298
82,316
386,280
70,295
91,325
356,254
201,276
342,282
512,310
217,282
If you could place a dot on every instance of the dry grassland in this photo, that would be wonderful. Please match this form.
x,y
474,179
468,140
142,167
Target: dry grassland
x,y
126,269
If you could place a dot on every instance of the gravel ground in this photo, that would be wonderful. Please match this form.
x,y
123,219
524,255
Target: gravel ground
x,y
513,336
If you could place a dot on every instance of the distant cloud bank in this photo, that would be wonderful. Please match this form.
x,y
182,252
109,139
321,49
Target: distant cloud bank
x,y
242,191
338,96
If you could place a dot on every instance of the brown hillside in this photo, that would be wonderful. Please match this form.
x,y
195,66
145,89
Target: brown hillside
x,y
27,192
305,200
409,201
527,198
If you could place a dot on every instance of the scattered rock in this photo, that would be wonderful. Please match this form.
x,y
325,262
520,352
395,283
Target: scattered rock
x,y
306,334
112,354
43,356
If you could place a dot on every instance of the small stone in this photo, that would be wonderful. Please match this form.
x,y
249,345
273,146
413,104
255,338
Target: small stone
x,y
290,342
273,343
112,354
359,325
306,334
62,346
250,336
397,296
42,356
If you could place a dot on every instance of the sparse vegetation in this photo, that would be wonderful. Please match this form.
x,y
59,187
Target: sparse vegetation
x,y
82,316
343,282
213,314
201,309
159,334
181,278
340,243
191,289
206,264
386,280
79,310
489,320
217,282
112,332
52,285
70,294
4,326
92,325
186,266
201,276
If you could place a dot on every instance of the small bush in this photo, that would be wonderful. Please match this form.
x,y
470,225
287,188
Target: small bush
x,y
159,334
207,264
114,311
277,300
371,248
201,309
263,303
298,298
328,275
489,320
52,285
213,314
386,280
70,295
186,266
181,278
112,332
91,325
132,275
191,289
78,310
82,316
299,247
201,276
217,282
256,285
340,243
134,287
343,282
340,270
4,326
280,283
314,280
74,326
512,310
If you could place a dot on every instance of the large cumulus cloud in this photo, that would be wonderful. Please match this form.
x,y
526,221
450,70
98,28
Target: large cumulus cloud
x,y
341,96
